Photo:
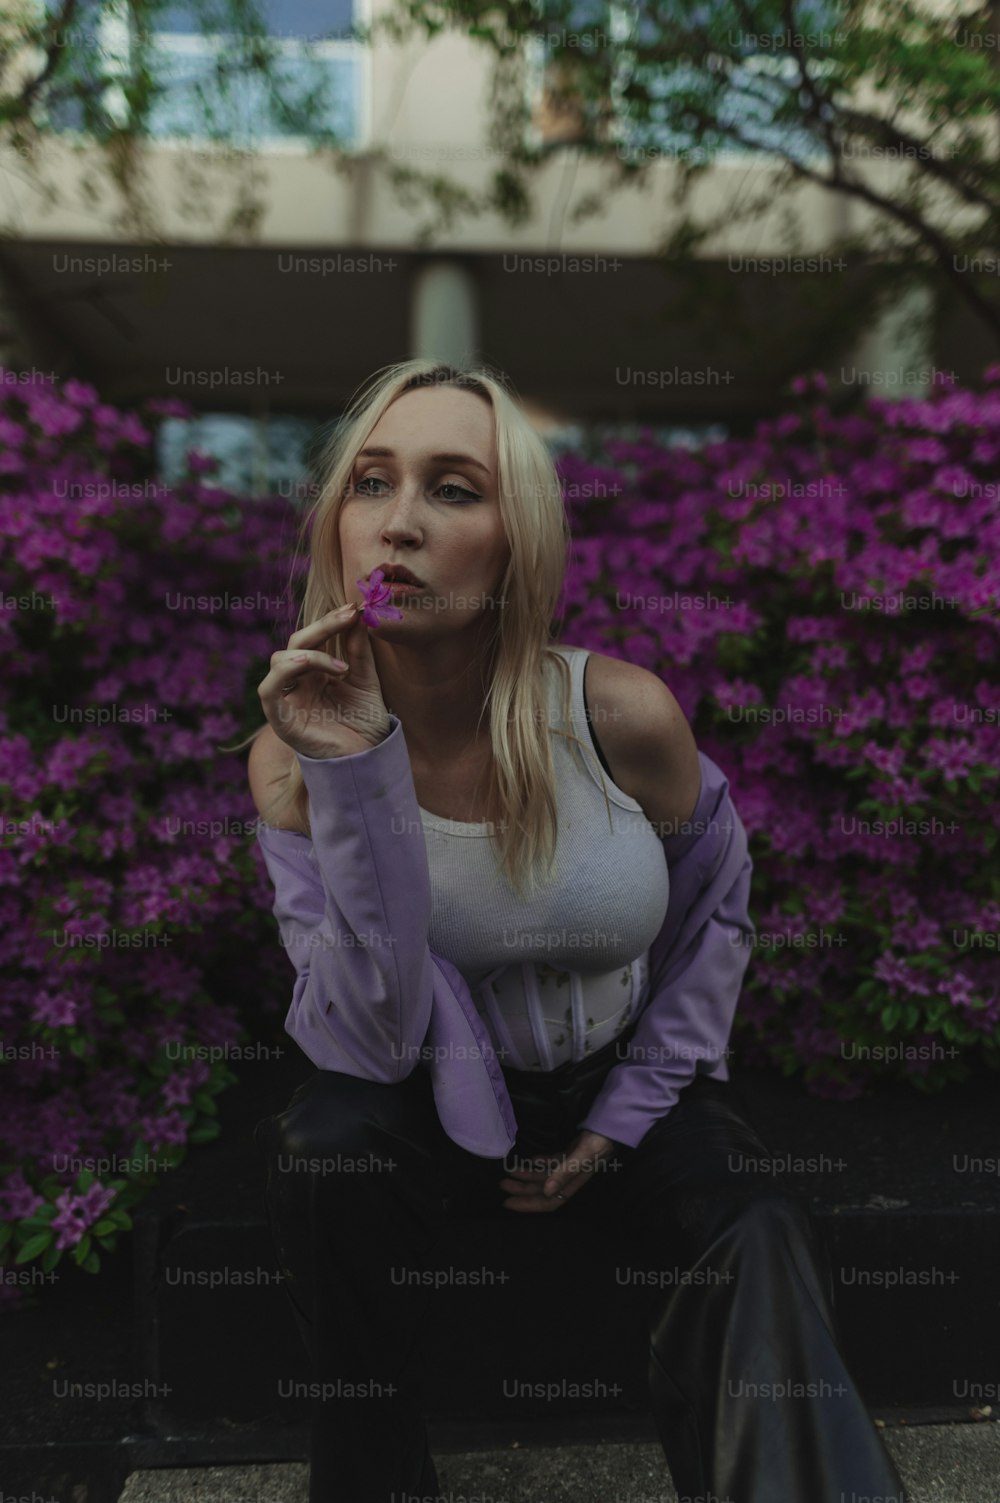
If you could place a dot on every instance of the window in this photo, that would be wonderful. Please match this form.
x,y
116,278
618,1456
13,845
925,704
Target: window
x,y
585,38
205,87
589,439
747,95
318,63
267,455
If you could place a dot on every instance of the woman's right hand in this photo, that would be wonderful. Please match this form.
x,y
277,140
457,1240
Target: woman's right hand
x,y
318,707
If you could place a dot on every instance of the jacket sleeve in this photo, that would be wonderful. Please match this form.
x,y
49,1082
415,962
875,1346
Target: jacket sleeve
x,y
697,966
353,908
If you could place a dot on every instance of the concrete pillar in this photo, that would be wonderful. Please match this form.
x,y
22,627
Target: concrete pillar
x,y
895,355
444,313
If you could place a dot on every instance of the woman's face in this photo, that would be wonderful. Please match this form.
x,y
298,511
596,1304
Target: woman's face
x,y
440,517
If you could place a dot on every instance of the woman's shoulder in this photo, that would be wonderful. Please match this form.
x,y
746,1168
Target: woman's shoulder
x,y
564,650
646,738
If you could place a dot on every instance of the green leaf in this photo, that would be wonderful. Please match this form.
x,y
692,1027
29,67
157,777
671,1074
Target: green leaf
x,y
91,1262
39,1221
82,1248
104,1226
34,1246
50,1258
890,1016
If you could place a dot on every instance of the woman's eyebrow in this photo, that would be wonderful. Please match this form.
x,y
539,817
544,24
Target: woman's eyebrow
x,y
435,458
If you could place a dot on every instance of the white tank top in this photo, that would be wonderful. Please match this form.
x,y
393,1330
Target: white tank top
x,y
558,973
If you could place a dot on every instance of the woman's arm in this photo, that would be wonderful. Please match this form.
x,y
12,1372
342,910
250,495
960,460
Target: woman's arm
x,y
697,963
371,998
353,907
698,959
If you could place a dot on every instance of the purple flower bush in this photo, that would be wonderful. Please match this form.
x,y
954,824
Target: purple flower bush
x,y
136,931
822,598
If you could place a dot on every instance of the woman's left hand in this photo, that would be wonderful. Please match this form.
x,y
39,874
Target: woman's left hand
x,y
535,1189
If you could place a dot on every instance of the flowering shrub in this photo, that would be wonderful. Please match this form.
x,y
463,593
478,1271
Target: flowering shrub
x,y
822,600
135,919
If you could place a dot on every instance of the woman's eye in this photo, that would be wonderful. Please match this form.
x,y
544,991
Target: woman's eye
x,y
450,485
463,496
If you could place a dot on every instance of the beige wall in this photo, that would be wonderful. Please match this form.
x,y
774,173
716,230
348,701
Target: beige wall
x,y
427,108
564,335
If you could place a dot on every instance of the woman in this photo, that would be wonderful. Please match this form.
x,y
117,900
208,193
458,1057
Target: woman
x,y
432,818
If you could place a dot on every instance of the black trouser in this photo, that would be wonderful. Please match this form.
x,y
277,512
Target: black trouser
x,y
756,1310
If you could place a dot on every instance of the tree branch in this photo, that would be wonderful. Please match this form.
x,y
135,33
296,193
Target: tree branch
x,y
31,90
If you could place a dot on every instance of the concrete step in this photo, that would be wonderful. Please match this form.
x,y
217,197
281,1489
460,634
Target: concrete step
x,y
938,1463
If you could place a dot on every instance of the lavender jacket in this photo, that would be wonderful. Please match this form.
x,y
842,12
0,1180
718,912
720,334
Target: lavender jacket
x,y
371,999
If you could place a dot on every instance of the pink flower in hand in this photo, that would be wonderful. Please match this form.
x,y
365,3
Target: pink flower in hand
x,y
377,596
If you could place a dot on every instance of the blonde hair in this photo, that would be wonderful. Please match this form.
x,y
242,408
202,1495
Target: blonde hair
x,y
520,801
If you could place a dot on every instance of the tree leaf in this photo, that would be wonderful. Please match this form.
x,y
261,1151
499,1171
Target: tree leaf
x,y
35,1245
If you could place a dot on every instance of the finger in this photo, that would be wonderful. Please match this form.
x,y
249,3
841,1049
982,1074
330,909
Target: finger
x,y
286,655
531,1196
565,1190
306,659
284,677
521,1180
539,1163
335,620
283,680
516,1187
572,1172
533,1205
